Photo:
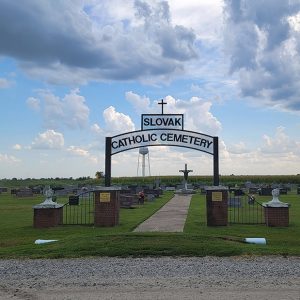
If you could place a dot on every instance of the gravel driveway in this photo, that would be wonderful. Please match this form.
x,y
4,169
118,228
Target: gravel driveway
x,y
151,278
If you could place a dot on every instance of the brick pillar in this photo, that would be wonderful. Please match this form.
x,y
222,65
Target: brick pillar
x,y
217,206
107,207
44,217
276,216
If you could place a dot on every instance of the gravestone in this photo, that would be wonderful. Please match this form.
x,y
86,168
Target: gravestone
x,y
265,191
13,191
283,191
170,188
234,202
25,192
128,201
150,197
37,190
253,190
73,200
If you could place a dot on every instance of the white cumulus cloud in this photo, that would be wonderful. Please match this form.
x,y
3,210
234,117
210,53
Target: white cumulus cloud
x,y
197,112
49,139
95,128
76,41
33,103
280,143
77,151
262,41
277,154
71,111
6,158
140,103
117,122
17,147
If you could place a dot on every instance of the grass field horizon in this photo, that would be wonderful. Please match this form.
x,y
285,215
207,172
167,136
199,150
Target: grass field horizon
x,y
17,234
167,179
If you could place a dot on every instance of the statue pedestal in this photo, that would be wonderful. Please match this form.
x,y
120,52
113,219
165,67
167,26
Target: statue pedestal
x,y
276,216
47,215
276,212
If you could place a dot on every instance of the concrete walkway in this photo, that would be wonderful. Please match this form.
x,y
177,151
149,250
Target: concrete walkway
x,y
170,218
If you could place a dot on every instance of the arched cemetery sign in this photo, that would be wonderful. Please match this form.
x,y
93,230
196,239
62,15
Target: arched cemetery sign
x,y
161,130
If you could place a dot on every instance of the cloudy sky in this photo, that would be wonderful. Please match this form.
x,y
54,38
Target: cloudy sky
x,y
75,71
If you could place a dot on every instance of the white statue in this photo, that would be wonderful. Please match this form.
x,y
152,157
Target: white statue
x,y
48,192
275,194
48,203
275,202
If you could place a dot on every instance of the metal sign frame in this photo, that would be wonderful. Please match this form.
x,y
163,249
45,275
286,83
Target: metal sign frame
x,y
109,150
181,116
162,135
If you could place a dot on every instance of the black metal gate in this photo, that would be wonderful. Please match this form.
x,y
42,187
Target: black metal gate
x,y
244,209
80,209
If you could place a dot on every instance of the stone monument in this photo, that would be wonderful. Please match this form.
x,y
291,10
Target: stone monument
x,y
48,213
276,212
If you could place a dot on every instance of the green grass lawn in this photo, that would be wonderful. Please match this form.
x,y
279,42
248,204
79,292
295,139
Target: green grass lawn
x,y
17,234
280,240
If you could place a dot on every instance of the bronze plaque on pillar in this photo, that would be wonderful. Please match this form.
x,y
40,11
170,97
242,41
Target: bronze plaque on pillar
x,y
107,206
217,206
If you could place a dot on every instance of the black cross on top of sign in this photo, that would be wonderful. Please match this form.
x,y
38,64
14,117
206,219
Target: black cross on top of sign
x,y
162,103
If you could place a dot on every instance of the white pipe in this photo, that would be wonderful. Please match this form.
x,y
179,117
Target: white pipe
x,y
261,241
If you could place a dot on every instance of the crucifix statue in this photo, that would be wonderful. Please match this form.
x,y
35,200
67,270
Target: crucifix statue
x,y
185,174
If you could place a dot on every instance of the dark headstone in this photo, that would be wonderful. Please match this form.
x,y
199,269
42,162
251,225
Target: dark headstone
x,y
73,200
283,191
234,202
13,191
128,200
150,197
253,190
24,193
265,191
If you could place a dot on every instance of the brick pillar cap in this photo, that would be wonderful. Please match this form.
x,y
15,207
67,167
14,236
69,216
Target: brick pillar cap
x,y
275,204
216,188
42,205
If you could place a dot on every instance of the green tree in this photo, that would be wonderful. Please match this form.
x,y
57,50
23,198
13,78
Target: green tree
x,y
99,174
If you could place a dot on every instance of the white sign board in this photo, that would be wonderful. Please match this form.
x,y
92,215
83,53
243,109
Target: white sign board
x,y
174,121
170,137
